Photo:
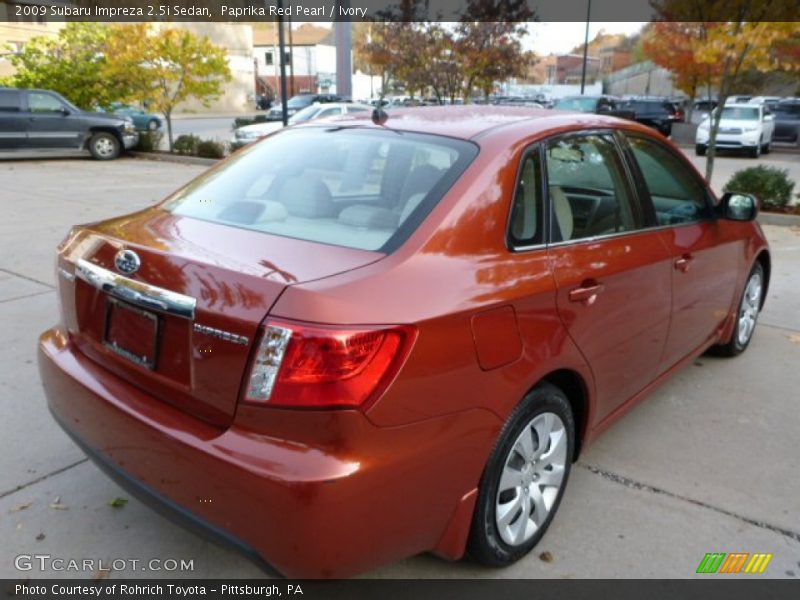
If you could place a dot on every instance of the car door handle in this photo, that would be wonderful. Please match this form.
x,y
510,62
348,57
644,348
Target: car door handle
x,y
587,293
684,262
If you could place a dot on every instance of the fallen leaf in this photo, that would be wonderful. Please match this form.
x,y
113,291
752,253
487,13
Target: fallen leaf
x,y
795,339
546,557
59,506
40,537
20,507
101,574
118,502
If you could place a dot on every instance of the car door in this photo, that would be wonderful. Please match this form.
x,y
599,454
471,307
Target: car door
x,y
51,124
768,120
787,123
704,255
12,121
612,274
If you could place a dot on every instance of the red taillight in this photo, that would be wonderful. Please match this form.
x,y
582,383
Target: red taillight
x,y
305,365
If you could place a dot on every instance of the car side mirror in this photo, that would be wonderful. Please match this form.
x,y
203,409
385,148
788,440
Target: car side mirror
x,y
739,207
769,118
64,111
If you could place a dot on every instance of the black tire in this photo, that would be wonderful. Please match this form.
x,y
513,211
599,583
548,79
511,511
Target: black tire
x,y
755,152
700,150
766,148
485,544
735,345
152,125
104,146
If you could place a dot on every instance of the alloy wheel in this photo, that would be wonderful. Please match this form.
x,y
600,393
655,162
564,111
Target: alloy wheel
x,y
748,311
104,147
531,478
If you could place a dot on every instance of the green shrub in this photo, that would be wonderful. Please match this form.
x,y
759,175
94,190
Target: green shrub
x,y
243,121
210,149
772,186
187,144
149,141
234,146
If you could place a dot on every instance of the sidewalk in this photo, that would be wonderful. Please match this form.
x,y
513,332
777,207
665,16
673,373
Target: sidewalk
x,y
217,115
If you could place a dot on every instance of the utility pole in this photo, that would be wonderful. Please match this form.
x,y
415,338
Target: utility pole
x,y
282,47
344,62
291,53
586,45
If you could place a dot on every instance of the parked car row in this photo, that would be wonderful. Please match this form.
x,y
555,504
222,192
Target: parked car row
x,y
256,131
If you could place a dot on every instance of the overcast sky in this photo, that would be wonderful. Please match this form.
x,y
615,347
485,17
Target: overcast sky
x,y
562,37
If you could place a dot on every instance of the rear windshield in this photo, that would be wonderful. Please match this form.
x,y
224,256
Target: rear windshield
x,y
739,113
581,104
359,188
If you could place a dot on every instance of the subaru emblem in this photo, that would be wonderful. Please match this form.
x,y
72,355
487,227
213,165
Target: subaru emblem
x,y
127,262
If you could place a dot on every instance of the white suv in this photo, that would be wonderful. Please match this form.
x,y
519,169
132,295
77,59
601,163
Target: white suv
x,y
746,127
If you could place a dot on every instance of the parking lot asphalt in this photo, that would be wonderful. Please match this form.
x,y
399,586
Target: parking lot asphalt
x,y
708,463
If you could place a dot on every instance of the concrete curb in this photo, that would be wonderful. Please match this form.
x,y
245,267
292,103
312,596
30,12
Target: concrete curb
x,y
175,158
767,218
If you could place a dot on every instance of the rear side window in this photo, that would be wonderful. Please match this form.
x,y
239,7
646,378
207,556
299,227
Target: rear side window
x,y
588,189
9,101
526,228
359,188
677,194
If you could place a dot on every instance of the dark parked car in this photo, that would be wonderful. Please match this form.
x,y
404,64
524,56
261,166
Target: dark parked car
x,y
599,105
787,122
297,103
142,120
263,102
355,341
45,120
656,113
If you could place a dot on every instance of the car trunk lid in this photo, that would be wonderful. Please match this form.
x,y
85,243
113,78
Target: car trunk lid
x,y
181,327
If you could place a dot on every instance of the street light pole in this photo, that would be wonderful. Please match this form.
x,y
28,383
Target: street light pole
x,y
586,45
282,49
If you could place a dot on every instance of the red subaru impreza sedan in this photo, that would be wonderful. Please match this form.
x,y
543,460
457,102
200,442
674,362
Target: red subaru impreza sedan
x,y
356,341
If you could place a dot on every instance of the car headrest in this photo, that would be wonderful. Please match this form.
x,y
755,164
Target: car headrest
x,y
420,180
307,197
372,217
563,211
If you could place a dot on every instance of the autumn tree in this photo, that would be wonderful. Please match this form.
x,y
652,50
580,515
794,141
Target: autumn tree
x,y
733,37
674,46
490,42
71,63
167,66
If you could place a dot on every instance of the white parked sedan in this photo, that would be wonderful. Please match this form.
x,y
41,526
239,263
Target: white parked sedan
x,y
256,131
747,127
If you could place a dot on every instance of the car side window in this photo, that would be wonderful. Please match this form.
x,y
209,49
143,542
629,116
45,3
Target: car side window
x,y
9,101
526,227
43,103
677,194
589,194
329,112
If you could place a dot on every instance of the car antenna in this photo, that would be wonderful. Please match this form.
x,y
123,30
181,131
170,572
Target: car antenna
x,y
380,116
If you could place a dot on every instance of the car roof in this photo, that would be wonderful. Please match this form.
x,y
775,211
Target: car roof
x,y
471,121
741,105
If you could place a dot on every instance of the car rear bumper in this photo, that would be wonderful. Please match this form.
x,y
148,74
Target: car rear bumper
x,y
129,140
731,141
361,497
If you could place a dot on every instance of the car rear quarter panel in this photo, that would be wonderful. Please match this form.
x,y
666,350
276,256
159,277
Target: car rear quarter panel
x,y
454,266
